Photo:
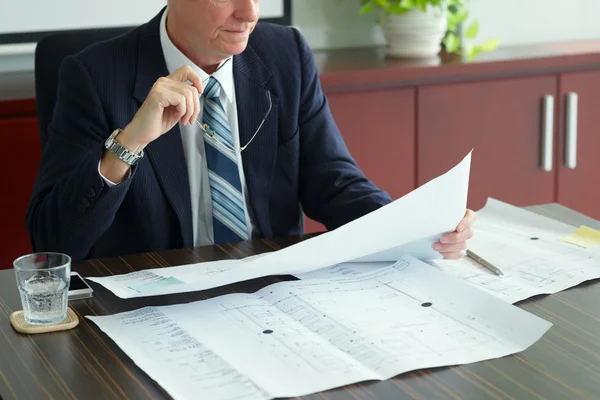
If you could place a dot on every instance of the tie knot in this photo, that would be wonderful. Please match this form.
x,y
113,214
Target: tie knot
x,y
212,88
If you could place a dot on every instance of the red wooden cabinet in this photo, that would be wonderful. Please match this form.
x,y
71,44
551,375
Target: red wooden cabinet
x,y
503,122
20,156
578,162
378,126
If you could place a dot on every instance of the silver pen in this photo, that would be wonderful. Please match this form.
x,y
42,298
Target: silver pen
x,y
485,263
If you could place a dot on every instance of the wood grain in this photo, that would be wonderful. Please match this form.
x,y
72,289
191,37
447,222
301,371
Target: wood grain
x,y
85,364
369,68
501,121
578,188
379,130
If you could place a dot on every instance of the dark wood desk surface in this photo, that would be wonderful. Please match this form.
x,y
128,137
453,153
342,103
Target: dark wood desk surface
x,y
85,364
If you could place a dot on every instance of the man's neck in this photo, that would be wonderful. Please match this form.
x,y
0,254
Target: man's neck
x,y
208,64
209,69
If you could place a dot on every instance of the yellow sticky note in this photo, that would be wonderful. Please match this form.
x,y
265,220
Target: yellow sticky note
x,y
583,237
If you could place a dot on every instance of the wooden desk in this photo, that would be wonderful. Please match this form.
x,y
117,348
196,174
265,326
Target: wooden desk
x,y
85,364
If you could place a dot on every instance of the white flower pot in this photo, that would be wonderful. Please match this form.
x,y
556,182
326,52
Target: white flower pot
x,y
415,34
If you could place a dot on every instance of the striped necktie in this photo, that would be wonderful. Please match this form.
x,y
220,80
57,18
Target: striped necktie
x,y
229,220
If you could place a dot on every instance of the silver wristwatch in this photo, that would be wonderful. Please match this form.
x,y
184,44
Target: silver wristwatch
x,y
118,150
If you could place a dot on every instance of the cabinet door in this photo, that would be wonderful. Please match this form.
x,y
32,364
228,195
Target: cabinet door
x,y
378,126
19,160
502,121
578,183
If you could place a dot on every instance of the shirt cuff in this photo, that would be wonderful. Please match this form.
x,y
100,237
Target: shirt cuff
x,y
108,182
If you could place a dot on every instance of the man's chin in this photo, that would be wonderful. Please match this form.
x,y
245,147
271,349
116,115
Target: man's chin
x,y
235,48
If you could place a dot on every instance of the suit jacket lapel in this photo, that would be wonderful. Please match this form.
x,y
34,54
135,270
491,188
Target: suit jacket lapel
x,y
251,79
165,153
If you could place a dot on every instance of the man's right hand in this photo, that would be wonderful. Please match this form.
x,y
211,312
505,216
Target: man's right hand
x,y
171,100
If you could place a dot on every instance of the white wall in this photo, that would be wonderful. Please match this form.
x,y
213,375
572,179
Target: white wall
x,y
44,15
17,16
328,24
518,22
335,24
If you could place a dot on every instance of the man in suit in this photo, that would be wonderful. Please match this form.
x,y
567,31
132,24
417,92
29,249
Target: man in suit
x,y
198,127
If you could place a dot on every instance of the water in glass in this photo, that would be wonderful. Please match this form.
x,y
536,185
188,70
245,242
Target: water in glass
x,y
44,299
43,280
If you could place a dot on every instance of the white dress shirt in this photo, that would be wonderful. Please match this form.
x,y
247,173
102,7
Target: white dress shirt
x,y
193,141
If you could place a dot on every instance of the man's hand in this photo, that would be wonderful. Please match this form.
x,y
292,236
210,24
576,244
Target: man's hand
x,y
170,100
451,245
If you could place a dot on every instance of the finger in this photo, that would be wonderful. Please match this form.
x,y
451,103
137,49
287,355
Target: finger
x,y
189,112
456,237
173,99
450,248
467,221
181,74
454,256
187,73
196,97
197,88
189,93
196,81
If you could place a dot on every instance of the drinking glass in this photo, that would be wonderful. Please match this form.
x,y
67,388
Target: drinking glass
x,y
43,280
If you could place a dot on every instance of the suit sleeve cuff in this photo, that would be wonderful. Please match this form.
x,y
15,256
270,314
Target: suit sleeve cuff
x,y
109,182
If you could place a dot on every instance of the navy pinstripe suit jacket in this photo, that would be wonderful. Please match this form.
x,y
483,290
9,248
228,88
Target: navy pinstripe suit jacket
x,y
297,163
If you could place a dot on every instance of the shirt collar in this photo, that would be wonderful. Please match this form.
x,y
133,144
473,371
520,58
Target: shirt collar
x,y
175,59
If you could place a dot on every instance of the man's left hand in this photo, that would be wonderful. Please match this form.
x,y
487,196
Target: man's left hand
x,y
452,245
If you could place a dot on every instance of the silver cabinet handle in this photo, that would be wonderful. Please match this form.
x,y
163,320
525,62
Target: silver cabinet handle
x,y
548,133
571,134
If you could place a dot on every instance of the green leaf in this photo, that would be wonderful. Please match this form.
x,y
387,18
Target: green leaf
x,y
397,9
452,43
366,8
401,6
381,3
472,30
473,52
490,45
459,16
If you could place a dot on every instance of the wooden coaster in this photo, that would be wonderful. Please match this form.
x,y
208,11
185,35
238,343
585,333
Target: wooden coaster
x,y
18,322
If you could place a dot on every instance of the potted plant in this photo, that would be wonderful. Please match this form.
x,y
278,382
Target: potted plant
x,y
418,28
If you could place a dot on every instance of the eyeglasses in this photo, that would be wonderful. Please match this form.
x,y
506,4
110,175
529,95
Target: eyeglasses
x,y
218,68
210,133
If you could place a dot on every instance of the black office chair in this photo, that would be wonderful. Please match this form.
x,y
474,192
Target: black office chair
x,y
49,54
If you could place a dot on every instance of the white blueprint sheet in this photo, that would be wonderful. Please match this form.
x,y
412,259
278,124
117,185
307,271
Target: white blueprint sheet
x,y
409,225
523,244
526,247
343,270
296,338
